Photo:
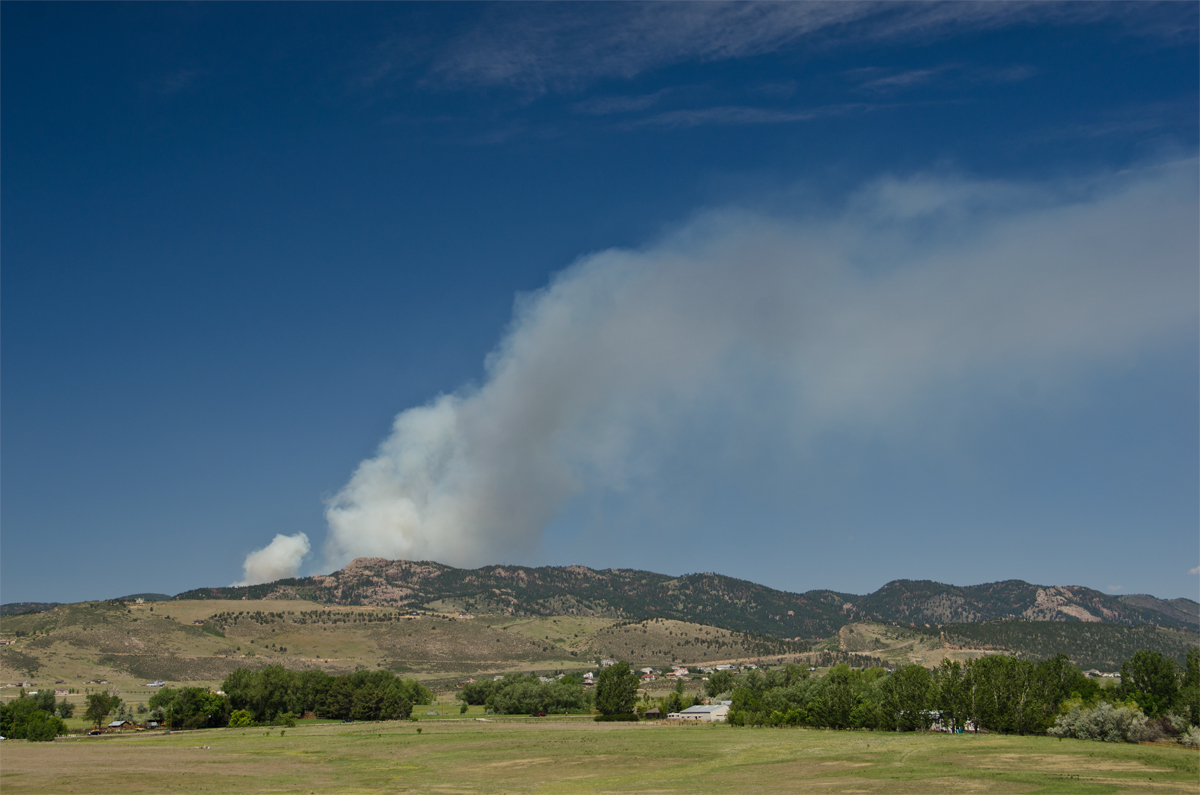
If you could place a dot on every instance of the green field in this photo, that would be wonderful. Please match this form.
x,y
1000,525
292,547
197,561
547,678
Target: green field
x,y
536,755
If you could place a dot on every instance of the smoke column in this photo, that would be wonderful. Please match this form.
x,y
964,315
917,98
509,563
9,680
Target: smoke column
x,y
846,317
281,558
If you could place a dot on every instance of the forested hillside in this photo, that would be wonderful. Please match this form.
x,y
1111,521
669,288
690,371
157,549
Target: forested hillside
x,y
17,608
711,599
1099,646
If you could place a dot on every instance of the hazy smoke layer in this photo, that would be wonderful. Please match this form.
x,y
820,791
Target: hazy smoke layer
x,y
281,558
912,290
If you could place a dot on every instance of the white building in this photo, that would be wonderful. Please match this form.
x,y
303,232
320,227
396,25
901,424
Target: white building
x,y
710,713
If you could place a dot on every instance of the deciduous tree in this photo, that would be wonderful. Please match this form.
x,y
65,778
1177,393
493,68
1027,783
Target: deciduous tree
x,y
616,689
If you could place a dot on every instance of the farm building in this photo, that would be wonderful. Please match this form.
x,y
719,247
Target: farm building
x,y
712,713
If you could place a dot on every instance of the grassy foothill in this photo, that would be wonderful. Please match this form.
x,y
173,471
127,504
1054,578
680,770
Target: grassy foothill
x,y
532,755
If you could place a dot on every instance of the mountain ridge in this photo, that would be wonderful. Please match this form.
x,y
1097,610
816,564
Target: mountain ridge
x,y
708,598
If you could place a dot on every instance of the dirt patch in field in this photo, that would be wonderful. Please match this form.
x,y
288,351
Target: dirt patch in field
x,y
855,784
510,763
1141,784
1063,763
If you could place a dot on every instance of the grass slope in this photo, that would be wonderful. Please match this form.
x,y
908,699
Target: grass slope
x,y
1088,645
661,642
203,641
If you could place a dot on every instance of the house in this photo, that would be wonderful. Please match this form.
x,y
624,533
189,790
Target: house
x,y
654,713
155,683
119,726
935,724
61,691
607,663
709,713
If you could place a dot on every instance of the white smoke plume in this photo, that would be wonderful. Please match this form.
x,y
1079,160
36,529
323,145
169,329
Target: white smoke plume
x,y
281,558
911,290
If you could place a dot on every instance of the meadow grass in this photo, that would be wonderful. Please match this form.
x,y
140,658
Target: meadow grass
x,y
532,755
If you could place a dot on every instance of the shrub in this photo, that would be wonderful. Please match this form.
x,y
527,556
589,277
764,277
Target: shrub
x,y
1103,722
240,717
1191,736
1177,723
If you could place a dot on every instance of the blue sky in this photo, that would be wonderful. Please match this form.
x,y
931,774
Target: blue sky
x,y
819,296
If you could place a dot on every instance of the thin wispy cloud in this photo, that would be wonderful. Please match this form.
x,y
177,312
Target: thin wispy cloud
x,y
906,79
881,80
741,114
1140,120
604,106
781,88
1009,74
566,47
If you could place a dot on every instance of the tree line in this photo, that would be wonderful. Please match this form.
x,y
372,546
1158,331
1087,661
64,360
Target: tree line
x,y
34,716
270,695
274,691
517,694
997,693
